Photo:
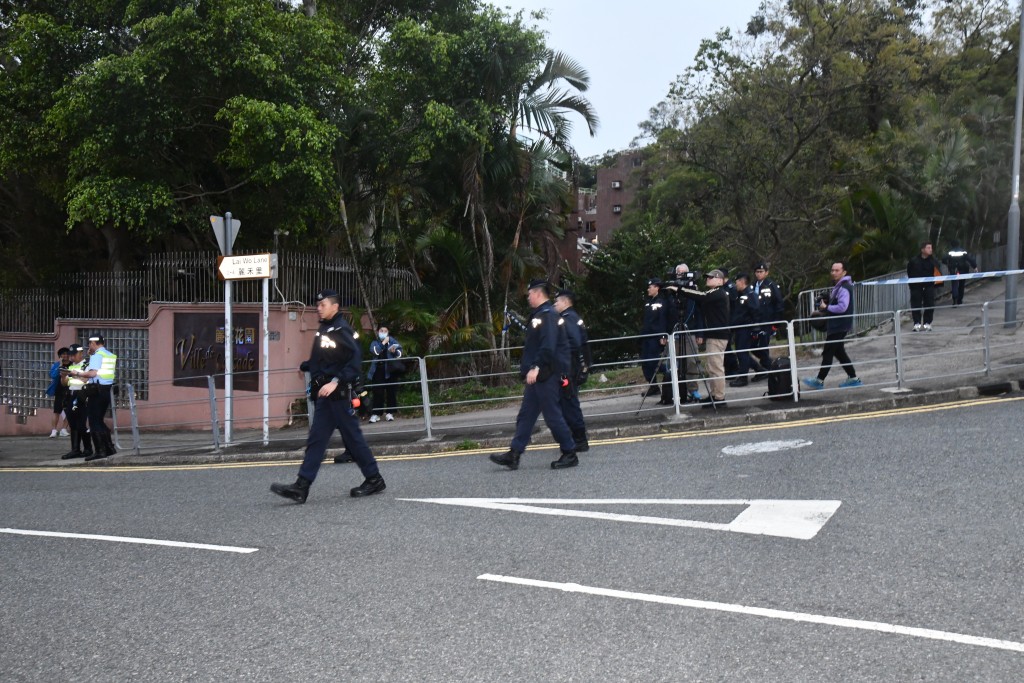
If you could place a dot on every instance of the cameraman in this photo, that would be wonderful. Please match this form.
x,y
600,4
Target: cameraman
x,y
689,319
714,304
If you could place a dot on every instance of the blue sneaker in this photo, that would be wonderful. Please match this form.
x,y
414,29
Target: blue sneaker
x,y
813,383
851,382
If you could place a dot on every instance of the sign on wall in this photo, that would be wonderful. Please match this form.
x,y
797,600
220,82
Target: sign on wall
x,y
199,350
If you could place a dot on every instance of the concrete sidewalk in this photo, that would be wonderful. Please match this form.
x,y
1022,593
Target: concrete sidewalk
x,y
939,366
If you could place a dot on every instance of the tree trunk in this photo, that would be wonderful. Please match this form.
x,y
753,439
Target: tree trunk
x,y
355,258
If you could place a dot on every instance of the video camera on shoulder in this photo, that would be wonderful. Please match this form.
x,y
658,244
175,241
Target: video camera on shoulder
x,y
687,280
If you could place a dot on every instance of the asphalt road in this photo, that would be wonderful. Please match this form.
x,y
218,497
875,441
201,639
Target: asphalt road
x,y
916,575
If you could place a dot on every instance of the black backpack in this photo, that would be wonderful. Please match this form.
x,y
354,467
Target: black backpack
x,y
780,381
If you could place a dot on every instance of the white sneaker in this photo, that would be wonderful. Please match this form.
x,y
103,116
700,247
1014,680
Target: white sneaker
x,y
53,433
65,432
388,417
375,418
917,327
926,327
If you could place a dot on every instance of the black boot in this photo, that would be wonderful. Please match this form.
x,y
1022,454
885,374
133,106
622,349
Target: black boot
x,y
296,492
582,445
372,485
108,444
666,395
509,459
653,390
344,457
568,459
76,446
99,447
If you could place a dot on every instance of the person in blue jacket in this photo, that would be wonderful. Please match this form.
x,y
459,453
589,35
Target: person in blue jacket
x,y
839,322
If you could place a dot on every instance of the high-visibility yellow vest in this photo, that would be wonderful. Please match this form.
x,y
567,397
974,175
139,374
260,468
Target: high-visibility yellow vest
x,y
108,363
76,383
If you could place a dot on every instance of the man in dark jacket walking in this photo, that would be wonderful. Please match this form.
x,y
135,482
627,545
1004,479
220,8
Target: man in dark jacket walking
x,y
334,366
545,361
922,294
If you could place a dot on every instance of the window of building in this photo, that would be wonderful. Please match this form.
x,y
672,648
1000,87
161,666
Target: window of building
x,y
617,208
589,227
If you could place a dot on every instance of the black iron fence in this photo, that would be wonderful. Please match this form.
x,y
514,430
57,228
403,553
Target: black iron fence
x,y
189,277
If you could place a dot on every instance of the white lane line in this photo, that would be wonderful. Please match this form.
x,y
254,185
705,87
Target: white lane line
x,y
126,539
764,612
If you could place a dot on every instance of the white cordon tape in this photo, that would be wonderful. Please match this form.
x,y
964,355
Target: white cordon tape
x,y
942,278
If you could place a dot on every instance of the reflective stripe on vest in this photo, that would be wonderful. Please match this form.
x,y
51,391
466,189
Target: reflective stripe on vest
x,y
108,362
76,383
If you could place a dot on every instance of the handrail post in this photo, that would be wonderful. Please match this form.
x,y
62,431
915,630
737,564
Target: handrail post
x,y
988,340
898,348
794,372
425,395
134,418
674,369
214,428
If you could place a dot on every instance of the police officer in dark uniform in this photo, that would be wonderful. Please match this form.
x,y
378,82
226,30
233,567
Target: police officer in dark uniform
x,y
959,262
658,323
770,308
545,361
579,365
743,313
334,365
75,404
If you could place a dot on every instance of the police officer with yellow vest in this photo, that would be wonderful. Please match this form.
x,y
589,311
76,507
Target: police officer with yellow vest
x,y
99,383
75,403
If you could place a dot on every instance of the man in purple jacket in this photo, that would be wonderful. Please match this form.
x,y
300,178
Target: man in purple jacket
x,y
839,313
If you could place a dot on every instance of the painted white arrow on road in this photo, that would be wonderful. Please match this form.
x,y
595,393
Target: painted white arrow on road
x,y
800,519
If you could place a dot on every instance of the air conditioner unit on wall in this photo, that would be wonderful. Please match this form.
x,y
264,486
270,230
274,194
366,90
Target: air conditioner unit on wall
x,y
616,184
617,208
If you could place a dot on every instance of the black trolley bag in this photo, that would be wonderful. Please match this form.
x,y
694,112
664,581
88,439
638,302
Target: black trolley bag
x,y
780,380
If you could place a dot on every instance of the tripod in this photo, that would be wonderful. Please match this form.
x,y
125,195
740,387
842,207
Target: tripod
x,y
650,383
690,351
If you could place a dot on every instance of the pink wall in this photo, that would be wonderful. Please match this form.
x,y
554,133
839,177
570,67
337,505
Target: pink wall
x,y
169,405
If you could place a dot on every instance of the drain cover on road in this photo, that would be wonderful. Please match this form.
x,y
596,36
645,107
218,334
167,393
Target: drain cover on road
x,y
765,447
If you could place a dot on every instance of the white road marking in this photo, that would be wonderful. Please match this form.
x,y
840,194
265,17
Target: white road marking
x,y
800,519
878,626
126,539
765,447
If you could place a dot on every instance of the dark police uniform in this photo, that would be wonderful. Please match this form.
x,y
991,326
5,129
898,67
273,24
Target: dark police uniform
x,y
770,308
658,320
959,262
334,358
743,313
579,364
76,408
547,350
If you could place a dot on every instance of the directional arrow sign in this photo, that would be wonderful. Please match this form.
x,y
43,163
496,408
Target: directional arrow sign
x,y
801,519
246,267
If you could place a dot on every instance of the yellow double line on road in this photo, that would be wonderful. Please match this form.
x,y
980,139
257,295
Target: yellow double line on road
x,y
739,429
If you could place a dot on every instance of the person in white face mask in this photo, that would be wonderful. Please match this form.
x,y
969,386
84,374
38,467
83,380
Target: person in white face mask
x,y
385,373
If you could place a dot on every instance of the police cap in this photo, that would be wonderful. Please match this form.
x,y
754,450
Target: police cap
x,y
761,265
567,293
656,281
537,283
98,338
327,294
75,348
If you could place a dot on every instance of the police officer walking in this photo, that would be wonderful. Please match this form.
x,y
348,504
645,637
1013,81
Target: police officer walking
x,y
959,262
579,365
545,361
334,365
771,308
75,407
657,329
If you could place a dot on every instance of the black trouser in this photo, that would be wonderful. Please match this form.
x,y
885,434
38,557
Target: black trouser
x,y
99,403
958,290
835,347
542,398
922,296
569,399
75,409
330,414
385,393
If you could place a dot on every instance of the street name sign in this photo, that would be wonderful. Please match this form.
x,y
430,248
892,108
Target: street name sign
x,y
247,267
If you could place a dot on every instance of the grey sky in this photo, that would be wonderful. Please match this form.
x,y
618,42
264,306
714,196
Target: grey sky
x,y
633,51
